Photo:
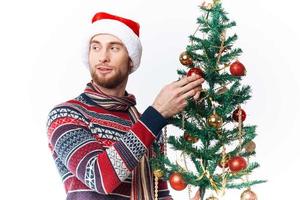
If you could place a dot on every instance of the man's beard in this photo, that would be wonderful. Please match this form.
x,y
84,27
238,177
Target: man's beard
x,y
111,82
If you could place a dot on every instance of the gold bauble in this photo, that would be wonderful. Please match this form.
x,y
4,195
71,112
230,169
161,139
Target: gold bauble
x,y
215,121
212,198
248,195
250,147
158,173
185,59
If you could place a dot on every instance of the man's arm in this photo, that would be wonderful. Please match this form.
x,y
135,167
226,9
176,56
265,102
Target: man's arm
x,y
100,170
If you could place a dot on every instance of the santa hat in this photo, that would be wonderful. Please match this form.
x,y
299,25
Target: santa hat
x,y
124,29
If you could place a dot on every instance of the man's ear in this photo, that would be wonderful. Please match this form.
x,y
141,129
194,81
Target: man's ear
x,y
130,64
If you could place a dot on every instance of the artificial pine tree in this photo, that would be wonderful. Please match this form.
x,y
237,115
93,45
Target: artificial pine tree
x,y
214,136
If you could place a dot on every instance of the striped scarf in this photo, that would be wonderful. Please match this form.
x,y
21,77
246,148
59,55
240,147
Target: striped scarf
x,y
142,182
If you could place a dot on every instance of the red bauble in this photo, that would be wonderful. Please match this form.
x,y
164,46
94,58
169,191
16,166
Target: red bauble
x,y
190,138
237,164
177,181
196,71
237,69
235,115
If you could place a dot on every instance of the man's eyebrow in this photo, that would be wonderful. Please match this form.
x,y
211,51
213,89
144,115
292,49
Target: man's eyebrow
x,y
94,41
118,43
110,43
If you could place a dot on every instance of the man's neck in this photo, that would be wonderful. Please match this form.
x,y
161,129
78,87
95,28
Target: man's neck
x,y
114,92
117,92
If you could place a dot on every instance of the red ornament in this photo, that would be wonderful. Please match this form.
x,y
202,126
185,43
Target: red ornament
x,y
236,113
237,69
196,71
177,181
190,138
237,164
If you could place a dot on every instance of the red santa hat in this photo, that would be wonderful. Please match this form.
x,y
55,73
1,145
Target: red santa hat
x,y
125,29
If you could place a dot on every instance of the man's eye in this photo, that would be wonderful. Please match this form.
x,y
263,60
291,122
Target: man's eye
x,y
95,47
114,48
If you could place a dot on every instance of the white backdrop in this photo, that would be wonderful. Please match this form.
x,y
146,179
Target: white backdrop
x,y
41,67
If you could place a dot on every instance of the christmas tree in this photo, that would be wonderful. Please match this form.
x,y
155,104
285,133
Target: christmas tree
x,y
214,135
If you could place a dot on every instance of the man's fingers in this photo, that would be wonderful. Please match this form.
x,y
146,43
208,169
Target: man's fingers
x,y
192,85
182,82
189,94
197,95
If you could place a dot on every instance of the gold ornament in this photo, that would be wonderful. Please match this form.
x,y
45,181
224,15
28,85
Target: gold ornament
x,y
248,195
215,121
212,198
158,173
250,147
185,59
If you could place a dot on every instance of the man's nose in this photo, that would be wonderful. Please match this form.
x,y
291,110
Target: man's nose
x,y
103,56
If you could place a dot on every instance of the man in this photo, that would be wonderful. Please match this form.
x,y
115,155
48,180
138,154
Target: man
x,y
100,143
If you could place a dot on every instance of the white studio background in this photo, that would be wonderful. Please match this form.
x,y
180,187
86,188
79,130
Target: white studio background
x,y
41,67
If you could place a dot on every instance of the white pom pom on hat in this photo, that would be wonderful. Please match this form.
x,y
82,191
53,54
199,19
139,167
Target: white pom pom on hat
x,y
125,29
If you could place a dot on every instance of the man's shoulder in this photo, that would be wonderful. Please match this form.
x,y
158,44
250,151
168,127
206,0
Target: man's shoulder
x,y
74,105
71,108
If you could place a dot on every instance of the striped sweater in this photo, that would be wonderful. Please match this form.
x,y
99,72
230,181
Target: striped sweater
x,y
95,150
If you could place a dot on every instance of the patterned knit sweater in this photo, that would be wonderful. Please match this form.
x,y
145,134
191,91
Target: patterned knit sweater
x,y
95,150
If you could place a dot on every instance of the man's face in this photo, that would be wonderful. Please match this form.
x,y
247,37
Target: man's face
x,y
109,61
